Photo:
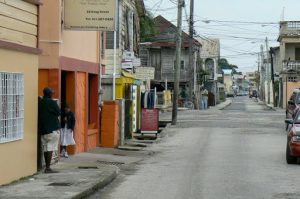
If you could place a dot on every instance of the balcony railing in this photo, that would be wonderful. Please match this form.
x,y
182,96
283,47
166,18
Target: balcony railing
x,y
291,66
291,28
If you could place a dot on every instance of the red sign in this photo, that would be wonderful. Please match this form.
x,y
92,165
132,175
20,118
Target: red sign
x,y
149,120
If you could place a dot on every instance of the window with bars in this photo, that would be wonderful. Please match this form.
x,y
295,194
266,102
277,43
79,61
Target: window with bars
x,y
11,106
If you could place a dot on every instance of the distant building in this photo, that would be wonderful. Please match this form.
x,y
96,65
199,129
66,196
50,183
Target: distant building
x,y
160,54
210,55
289,39
228,82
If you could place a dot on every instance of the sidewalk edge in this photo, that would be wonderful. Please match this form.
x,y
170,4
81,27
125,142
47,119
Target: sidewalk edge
x,y
226,105
99,185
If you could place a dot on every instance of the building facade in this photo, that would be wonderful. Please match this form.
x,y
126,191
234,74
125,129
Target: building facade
x,y
18,89
70,65
289,39
210,55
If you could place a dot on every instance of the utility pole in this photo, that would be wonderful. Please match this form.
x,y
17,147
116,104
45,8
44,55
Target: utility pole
x,y
262,74
258,74
272,74
191,50
268,69
177,65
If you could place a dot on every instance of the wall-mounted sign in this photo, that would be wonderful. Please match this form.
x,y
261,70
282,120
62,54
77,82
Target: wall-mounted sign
x,y
144,73
93,15
136,62
128,55
127,65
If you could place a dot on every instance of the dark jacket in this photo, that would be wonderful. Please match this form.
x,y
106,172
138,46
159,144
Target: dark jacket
x,y
70,120
48,116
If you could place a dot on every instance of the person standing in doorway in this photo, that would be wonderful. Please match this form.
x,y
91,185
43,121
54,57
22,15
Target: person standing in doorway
x,y
49,113
204,99
67,124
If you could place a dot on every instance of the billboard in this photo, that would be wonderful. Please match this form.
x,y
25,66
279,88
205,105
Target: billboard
x,y
144,73
89,15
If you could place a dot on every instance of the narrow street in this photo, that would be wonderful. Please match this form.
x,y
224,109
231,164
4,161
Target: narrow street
x,y
238,152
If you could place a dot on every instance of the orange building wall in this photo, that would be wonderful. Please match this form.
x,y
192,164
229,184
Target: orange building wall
x,y
109,124
49,78
80,112
70,95
93,131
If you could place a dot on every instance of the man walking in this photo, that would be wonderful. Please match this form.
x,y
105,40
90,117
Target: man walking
x,y
204,99
49,126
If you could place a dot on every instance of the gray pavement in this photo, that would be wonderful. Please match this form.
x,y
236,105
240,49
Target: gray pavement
x,y
78,176
235,153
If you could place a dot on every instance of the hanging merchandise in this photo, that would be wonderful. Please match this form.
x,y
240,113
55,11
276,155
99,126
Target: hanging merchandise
x,y
150,114
134,108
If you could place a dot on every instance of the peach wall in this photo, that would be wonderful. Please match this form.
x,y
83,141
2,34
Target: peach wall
x,y
50,55
290,88
18,158
49,33
82,45
50,21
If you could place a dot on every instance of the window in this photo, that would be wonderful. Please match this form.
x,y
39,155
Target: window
x,y
11,106
181,65
297,54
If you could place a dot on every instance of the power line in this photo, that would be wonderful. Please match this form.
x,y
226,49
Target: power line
x,y
233,21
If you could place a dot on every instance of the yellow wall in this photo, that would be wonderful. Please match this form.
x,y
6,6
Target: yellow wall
x,y
18,22
18,158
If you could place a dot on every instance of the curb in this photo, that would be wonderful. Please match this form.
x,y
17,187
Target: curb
x,y
271,108
222,108
226,105
97,186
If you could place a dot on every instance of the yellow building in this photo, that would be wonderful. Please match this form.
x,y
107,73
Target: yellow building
x,y
18,88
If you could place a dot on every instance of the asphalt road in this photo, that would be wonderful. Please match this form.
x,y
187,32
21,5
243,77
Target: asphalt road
x,y
236,153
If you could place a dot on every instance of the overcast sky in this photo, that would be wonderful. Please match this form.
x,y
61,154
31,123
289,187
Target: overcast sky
x,y
241,25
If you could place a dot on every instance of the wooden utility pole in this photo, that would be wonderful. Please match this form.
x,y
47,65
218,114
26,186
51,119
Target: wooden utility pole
x,y
258,73
177,65
191,51
262,72
268,69
272,75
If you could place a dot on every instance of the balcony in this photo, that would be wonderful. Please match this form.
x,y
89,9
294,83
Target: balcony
x,y
290,28
169,75
291,66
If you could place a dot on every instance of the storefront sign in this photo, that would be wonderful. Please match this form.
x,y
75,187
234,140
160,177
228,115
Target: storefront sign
x,y
93,15
149,120
144,73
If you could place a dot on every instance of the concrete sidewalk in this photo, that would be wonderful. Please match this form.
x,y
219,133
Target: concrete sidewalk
x,y
79,175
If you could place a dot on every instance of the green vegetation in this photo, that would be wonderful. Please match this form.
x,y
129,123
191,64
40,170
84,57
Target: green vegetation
x,y
224,64
147,27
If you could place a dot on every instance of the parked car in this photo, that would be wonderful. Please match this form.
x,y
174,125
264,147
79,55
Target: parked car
x,y
293,139
230,94
293,104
